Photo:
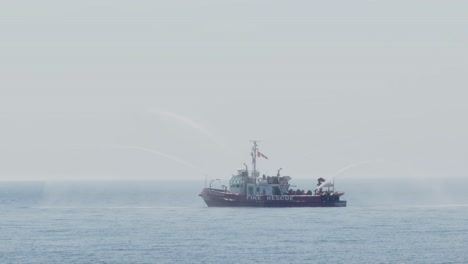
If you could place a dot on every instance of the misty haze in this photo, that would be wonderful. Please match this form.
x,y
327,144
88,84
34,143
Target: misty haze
x,y
115,115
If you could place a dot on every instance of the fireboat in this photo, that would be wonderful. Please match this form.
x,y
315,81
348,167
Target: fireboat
x,y
248,189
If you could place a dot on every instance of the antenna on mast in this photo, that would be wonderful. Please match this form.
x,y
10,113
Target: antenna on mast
x,y
254,158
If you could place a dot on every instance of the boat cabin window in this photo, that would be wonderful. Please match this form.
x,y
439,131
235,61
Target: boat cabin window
x,y
276,190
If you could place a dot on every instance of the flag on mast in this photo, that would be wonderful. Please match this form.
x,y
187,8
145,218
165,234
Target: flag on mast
x,y
261,155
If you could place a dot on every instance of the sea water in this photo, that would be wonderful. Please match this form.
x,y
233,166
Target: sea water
x,y
386,221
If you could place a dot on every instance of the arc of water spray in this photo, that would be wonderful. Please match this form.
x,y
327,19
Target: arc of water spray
x,y
184,120
188,122
343,170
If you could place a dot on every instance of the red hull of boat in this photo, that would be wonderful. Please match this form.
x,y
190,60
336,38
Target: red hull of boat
x,y
222,198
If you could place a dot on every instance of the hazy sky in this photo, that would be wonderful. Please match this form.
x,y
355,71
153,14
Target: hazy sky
x,y
176,89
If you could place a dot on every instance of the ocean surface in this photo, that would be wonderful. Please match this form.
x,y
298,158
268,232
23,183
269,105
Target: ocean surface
x,y
386,221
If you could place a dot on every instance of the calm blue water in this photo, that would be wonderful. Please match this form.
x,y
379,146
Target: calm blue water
x,y
161,222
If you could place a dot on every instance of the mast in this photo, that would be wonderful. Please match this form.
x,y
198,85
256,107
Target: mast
x,y
254,159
